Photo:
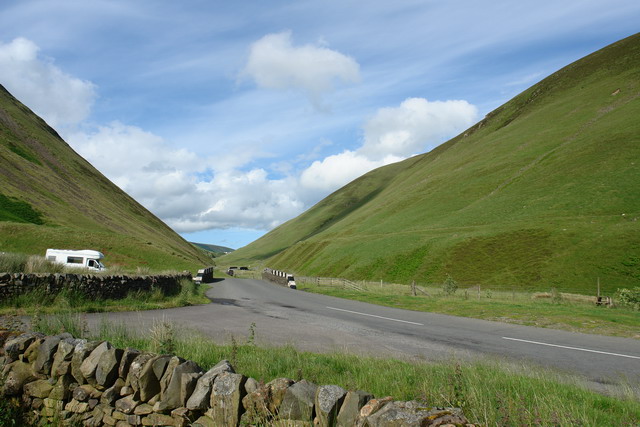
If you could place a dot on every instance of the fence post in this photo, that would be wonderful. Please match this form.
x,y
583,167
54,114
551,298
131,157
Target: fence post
x,y
413,288
478,291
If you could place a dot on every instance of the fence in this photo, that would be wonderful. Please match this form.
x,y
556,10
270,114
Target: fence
x,y
437,290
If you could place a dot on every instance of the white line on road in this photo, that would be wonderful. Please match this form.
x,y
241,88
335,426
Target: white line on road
x,y
373,315
573,348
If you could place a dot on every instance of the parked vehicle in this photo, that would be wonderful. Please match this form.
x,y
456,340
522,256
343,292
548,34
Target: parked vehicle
x,y
86,258
279,277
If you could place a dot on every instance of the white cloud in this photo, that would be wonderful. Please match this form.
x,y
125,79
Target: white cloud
x,y
178,186
59,98
335,171
414,127
274,63
391,135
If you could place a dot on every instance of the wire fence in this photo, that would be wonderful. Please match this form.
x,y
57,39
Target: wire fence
x,y
597,296
437,290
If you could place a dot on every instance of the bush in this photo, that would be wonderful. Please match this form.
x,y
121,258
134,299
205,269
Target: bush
x,y
629,297
450,286
11,413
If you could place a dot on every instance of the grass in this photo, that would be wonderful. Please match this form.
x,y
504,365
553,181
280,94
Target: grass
x,y
541,194
576,313
490,392
38,302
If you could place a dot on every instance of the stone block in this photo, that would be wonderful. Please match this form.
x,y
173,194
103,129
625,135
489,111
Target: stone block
x,y
291,423
171,396
415,414
125,362
350,409
109,420
143,409
107,369
77,407
374,405
85,392
298,402
31,353
226,398
53,403
251,385
90,364
82,350
17,375
135,420
126,405
62,359
16,346
201,396
277,390
38,388
158,420
204,421
62,389
328,400
112,394
46,351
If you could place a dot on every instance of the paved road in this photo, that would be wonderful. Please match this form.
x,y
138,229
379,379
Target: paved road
x,y
321,323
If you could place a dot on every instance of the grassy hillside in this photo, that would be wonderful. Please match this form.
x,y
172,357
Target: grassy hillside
x,y
544,192
50,197
215,249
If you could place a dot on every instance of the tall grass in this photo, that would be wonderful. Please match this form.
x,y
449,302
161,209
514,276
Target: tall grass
x,y
491,392
38,301
21,263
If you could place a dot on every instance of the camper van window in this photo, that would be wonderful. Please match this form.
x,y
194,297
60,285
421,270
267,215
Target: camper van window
x,y
75,260
92,263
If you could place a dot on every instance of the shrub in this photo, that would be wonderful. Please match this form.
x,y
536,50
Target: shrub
x,y
629,297
450,286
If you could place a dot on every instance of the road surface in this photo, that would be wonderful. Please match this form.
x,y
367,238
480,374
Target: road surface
x,y
321,323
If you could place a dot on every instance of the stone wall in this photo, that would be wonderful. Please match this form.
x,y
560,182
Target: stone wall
x,y
92,383
93,286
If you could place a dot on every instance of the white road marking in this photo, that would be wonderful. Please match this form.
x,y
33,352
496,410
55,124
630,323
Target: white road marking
x,y
573,348
373,315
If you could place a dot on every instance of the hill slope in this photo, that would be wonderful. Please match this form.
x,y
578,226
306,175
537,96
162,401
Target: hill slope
x,y
50,197
544,192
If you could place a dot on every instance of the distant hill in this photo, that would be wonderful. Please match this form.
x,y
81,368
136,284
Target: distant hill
x,y
50,197
218,250
543,192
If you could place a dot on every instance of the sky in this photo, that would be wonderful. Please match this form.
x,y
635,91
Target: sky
x,y
226,119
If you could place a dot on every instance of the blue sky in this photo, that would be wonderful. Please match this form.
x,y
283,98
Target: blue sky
x,y
226,119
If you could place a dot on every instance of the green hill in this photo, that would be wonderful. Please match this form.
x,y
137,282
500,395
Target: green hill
x,y
543,192
217,250
50,197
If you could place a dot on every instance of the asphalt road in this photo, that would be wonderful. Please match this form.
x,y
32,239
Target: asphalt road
x,y
321,323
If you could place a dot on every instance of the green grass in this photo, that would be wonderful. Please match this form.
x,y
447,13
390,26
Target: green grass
x,y
542,193
491,392
38,302
12,209
574,313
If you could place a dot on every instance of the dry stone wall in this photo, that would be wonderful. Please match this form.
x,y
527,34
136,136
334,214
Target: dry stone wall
x,y
92,286
93,383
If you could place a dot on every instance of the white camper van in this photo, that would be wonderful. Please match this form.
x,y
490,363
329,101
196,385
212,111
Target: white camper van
x,y
86,258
